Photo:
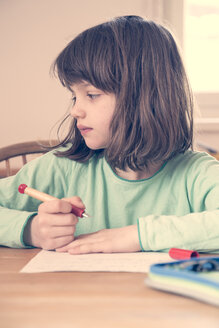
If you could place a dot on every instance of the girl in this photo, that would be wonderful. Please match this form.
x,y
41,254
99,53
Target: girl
x,y
128,153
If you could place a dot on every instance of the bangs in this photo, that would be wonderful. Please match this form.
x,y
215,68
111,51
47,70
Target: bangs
x,y
89,57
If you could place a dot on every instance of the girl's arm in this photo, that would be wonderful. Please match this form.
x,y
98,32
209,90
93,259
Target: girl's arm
x,y
119,240
196,231
20,223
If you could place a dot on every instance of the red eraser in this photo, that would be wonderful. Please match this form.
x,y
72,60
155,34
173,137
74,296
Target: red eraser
x,y
21,188
182,254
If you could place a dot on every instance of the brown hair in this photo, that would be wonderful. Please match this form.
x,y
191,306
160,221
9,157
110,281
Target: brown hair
x,y
139,62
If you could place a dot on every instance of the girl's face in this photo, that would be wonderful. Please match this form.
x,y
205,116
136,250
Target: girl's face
x,y
93,109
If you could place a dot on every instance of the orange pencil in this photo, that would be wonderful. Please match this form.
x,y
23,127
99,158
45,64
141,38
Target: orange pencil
x,y
24,189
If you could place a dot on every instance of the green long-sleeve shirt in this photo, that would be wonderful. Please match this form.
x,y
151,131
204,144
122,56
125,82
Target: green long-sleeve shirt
x,y
177,207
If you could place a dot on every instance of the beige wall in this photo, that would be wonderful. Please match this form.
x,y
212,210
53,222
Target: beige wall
x,y
32,33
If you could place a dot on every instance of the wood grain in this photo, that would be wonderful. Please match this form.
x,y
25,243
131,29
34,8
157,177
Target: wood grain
x,y
97,299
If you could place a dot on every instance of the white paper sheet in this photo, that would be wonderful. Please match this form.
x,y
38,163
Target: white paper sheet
x,y
50,261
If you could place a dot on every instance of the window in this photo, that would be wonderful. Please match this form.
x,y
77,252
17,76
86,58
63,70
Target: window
x,y
201,53
201,45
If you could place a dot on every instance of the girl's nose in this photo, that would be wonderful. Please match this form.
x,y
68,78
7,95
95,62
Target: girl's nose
x,y
77,111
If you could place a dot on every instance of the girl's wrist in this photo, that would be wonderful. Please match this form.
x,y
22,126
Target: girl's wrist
x,y
27,234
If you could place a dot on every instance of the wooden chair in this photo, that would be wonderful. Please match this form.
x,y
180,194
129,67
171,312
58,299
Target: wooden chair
x,y
203,147
23,153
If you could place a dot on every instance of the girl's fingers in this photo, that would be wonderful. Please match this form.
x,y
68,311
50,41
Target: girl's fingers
x,y
51,244
55,224
56,220
62,249
55,206
84,242
75,200
98,247
64,220
57,232
106,241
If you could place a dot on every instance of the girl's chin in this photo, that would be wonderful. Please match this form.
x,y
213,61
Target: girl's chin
x,y
94,146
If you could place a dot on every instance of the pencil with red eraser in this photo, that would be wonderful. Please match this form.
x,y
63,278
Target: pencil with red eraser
x,y
24,189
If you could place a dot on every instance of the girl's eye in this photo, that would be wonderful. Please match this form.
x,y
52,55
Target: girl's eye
x,y
73,99
92,96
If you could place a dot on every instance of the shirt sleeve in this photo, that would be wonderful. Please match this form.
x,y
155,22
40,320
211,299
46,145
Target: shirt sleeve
x,y
198,230
15,208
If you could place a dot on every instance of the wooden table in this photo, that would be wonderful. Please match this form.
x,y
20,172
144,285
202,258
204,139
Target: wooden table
x,y
97,299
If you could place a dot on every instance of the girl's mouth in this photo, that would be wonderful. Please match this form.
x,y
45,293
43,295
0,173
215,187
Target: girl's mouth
x,y
84,129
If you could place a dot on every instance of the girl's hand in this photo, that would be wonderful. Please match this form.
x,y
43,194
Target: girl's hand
x,y
54,225
105,241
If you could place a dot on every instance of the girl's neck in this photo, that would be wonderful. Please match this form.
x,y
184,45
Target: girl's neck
x,y
139,175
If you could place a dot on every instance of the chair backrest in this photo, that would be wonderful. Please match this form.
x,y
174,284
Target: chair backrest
x,y
21,150
208,149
